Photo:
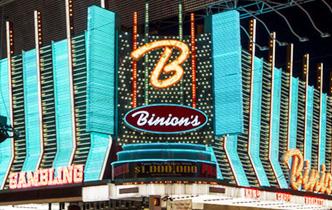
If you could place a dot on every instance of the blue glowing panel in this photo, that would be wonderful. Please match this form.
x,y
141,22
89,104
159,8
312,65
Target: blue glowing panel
x,y
98,154
32,115
63,115
6,146
256,123
226,49
293,114
309,116
231,151
322,142
274,155
101,60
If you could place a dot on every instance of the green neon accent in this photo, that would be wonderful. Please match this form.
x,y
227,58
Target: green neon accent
x,y
146,73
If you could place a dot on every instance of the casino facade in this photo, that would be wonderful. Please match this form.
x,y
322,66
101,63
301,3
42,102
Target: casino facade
x,y
116,118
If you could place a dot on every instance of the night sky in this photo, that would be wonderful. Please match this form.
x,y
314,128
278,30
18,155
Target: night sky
x,y
320,49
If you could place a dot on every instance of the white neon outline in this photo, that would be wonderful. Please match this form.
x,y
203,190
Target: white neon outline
x,y
320,111
71,82
273,37
306,57
290,90
40,108
252,68
106,157
229,161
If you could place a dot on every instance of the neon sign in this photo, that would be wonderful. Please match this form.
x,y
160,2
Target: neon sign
x,y
165,118
46,177
301,176
163,65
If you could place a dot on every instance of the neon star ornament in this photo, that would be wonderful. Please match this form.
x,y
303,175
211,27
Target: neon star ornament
x,y
163,65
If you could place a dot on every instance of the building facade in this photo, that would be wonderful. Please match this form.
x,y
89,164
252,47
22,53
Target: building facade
x,y
111,106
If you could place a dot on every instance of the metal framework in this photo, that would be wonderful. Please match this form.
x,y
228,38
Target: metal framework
x,y
257,7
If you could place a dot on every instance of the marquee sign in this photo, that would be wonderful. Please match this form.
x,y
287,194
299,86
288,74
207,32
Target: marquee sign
x,y
165,118
174,169
47,177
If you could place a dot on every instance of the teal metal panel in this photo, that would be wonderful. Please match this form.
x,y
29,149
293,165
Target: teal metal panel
x,y
234,159
101,60
62,97
274,156
256,123
309,116
98,154
214,159
32,124
227,75
322,142
293,114
6,146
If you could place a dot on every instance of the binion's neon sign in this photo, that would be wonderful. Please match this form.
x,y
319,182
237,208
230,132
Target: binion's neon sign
x,y
164,118
163,65
302,177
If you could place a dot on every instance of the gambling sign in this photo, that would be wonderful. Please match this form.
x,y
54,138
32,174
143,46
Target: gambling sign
x,y
47,177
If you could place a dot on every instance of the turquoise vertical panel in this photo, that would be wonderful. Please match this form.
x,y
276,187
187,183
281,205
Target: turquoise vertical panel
x,y
274,156
32,124
227,78
231,149
100,146
101,70
101,59
63,115
309,116
214,159
6,146
322,142
293,114
256,123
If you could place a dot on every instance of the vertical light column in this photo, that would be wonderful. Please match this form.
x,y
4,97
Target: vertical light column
x,y
290,51
252,48
146,57
38,43
69,30
308,101
256,68
180,7
322,117
180,20
193,58
274,118
10,51
134,63
272,46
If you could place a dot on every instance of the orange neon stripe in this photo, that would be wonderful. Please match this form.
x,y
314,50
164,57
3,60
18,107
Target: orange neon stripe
x,y
134,66
193,58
